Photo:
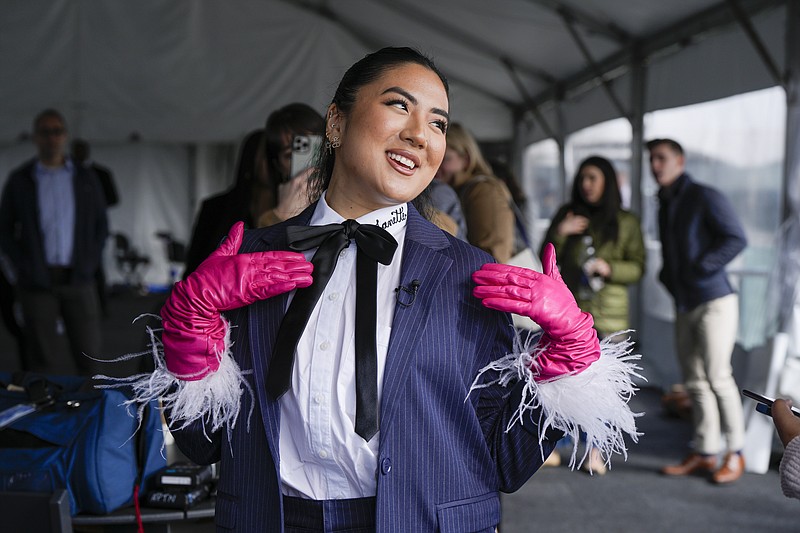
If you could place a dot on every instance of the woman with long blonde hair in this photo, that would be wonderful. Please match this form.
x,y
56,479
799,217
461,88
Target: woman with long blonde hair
x,y
485,199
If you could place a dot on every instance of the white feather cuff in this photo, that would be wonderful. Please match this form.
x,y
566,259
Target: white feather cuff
x,y
215,399
594,401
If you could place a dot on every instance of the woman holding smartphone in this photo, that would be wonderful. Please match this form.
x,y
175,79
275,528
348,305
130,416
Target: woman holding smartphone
x,y
290,189
383,393
260,195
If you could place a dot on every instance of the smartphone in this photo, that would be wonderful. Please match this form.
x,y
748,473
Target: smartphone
x,y
304,149
764,404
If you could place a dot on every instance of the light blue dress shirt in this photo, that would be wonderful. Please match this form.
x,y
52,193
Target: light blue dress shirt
x,y
56,199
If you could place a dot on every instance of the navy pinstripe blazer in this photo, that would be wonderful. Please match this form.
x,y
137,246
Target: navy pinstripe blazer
x,y
442,460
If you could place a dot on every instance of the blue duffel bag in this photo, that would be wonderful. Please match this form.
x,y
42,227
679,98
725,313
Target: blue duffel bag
x,y
77,438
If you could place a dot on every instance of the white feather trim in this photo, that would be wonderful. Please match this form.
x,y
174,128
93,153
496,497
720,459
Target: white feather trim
x,y
594,401
215,399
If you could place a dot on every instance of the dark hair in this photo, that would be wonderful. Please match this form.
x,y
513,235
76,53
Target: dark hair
x,y
604,213
80,150
364,72
295,119
674,145
503,170
248,153
47,113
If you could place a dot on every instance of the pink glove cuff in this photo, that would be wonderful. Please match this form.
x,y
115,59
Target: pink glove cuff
x,y
196,377
191,355
193,341
569,355
593,402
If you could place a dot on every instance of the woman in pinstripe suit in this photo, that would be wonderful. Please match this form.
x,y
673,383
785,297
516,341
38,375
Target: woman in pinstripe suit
x,y
454,428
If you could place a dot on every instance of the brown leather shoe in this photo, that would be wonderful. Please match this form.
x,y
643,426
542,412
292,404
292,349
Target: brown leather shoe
x,y
732,469
693,463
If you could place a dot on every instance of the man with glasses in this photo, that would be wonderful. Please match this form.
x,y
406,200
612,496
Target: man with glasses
x,y
52,228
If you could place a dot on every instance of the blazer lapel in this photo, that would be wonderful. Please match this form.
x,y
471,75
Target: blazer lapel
x,y
423,260
264,319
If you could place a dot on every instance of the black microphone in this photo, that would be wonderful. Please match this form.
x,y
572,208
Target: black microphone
x,y
412,289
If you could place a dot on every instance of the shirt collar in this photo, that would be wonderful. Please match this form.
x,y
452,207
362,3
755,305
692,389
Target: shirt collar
x,y
393,218
68,166
666,194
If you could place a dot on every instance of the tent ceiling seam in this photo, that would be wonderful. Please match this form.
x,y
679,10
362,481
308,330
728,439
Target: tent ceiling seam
x,y
464,38
569,23
761,49
529,105
374,44
677,34
589,22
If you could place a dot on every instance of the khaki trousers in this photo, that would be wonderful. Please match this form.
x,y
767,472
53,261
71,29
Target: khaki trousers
x,y
705,337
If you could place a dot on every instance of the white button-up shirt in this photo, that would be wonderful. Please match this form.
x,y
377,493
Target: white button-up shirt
x,y
322,457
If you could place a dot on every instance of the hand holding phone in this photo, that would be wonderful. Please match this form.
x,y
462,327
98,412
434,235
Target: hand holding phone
x,y
304,149
764,404
788,426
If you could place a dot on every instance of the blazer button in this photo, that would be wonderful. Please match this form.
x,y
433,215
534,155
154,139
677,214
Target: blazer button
x,y
386,466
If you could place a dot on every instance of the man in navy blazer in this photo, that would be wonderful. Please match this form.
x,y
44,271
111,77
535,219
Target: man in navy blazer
x,y
53,228
700,234
444,458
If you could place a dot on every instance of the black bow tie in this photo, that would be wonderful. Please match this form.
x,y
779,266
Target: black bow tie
x,y
373,240
375,245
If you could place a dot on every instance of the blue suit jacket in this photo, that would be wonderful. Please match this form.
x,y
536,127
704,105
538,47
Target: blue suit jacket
x,y
700,234
442,460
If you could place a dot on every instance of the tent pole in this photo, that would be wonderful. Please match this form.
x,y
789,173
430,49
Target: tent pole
x,y
638,81
791,177
512,73
759,434
193,154
560,139
758,43
592,64
682,31
637,106
590,23
446,28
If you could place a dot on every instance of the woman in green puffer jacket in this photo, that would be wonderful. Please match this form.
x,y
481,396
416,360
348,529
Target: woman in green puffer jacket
x,y
599,283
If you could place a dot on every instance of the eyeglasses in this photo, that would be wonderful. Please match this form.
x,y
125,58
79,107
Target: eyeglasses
x,y
48,132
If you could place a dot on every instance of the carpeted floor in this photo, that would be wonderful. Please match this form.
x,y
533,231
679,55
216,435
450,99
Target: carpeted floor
x,y
634,497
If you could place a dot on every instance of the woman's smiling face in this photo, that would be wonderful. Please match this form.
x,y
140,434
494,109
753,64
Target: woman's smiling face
x,y
392,140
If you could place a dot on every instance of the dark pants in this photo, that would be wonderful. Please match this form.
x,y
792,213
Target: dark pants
x,y
7,298
328,516
78,308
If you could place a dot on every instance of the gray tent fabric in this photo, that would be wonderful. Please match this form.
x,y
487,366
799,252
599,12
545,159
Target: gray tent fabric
x,y
187,71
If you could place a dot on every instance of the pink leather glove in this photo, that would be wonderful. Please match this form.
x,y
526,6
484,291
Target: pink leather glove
x,y
569,340
194,331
